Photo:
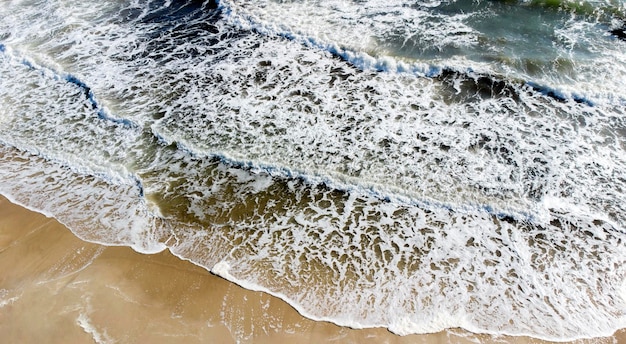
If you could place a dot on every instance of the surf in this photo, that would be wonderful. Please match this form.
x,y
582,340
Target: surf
x,y
368,183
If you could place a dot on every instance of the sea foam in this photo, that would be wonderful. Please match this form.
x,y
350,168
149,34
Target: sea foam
x,y
442,192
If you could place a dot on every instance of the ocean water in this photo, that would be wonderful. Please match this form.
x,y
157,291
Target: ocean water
x,y
414,165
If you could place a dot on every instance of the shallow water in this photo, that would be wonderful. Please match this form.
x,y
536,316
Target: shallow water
x,y
413,165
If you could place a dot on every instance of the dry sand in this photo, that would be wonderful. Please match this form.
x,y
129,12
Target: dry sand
x,y
55,288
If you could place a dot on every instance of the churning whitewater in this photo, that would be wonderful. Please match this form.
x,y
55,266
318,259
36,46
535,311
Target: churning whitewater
x,y
414,165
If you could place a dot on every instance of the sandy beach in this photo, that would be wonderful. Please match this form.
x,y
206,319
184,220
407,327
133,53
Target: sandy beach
x,y
56,288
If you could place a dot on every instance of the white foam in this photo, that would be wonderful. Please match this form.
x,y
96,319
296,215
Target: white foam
x,y
100,338
6,301
342,191
93,209
222,269
360,32
356,32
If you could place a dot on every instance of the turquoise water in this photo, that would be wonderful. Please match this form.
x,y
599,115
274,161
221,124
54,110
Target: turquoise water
x,y
409,164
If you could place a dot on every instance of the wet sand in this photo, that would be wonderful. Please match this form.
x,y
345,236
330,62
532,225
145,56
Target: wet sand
x,y
56,288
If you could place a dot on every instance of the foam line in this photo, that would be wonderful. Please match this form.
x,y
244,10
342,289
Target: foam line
x,y
132,179
366,62
359,59
222,269
439,197
100,110
328,182
557,94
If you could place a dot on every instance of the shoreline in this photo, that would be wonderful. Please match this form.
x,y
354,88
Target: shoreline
x,y
56,288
